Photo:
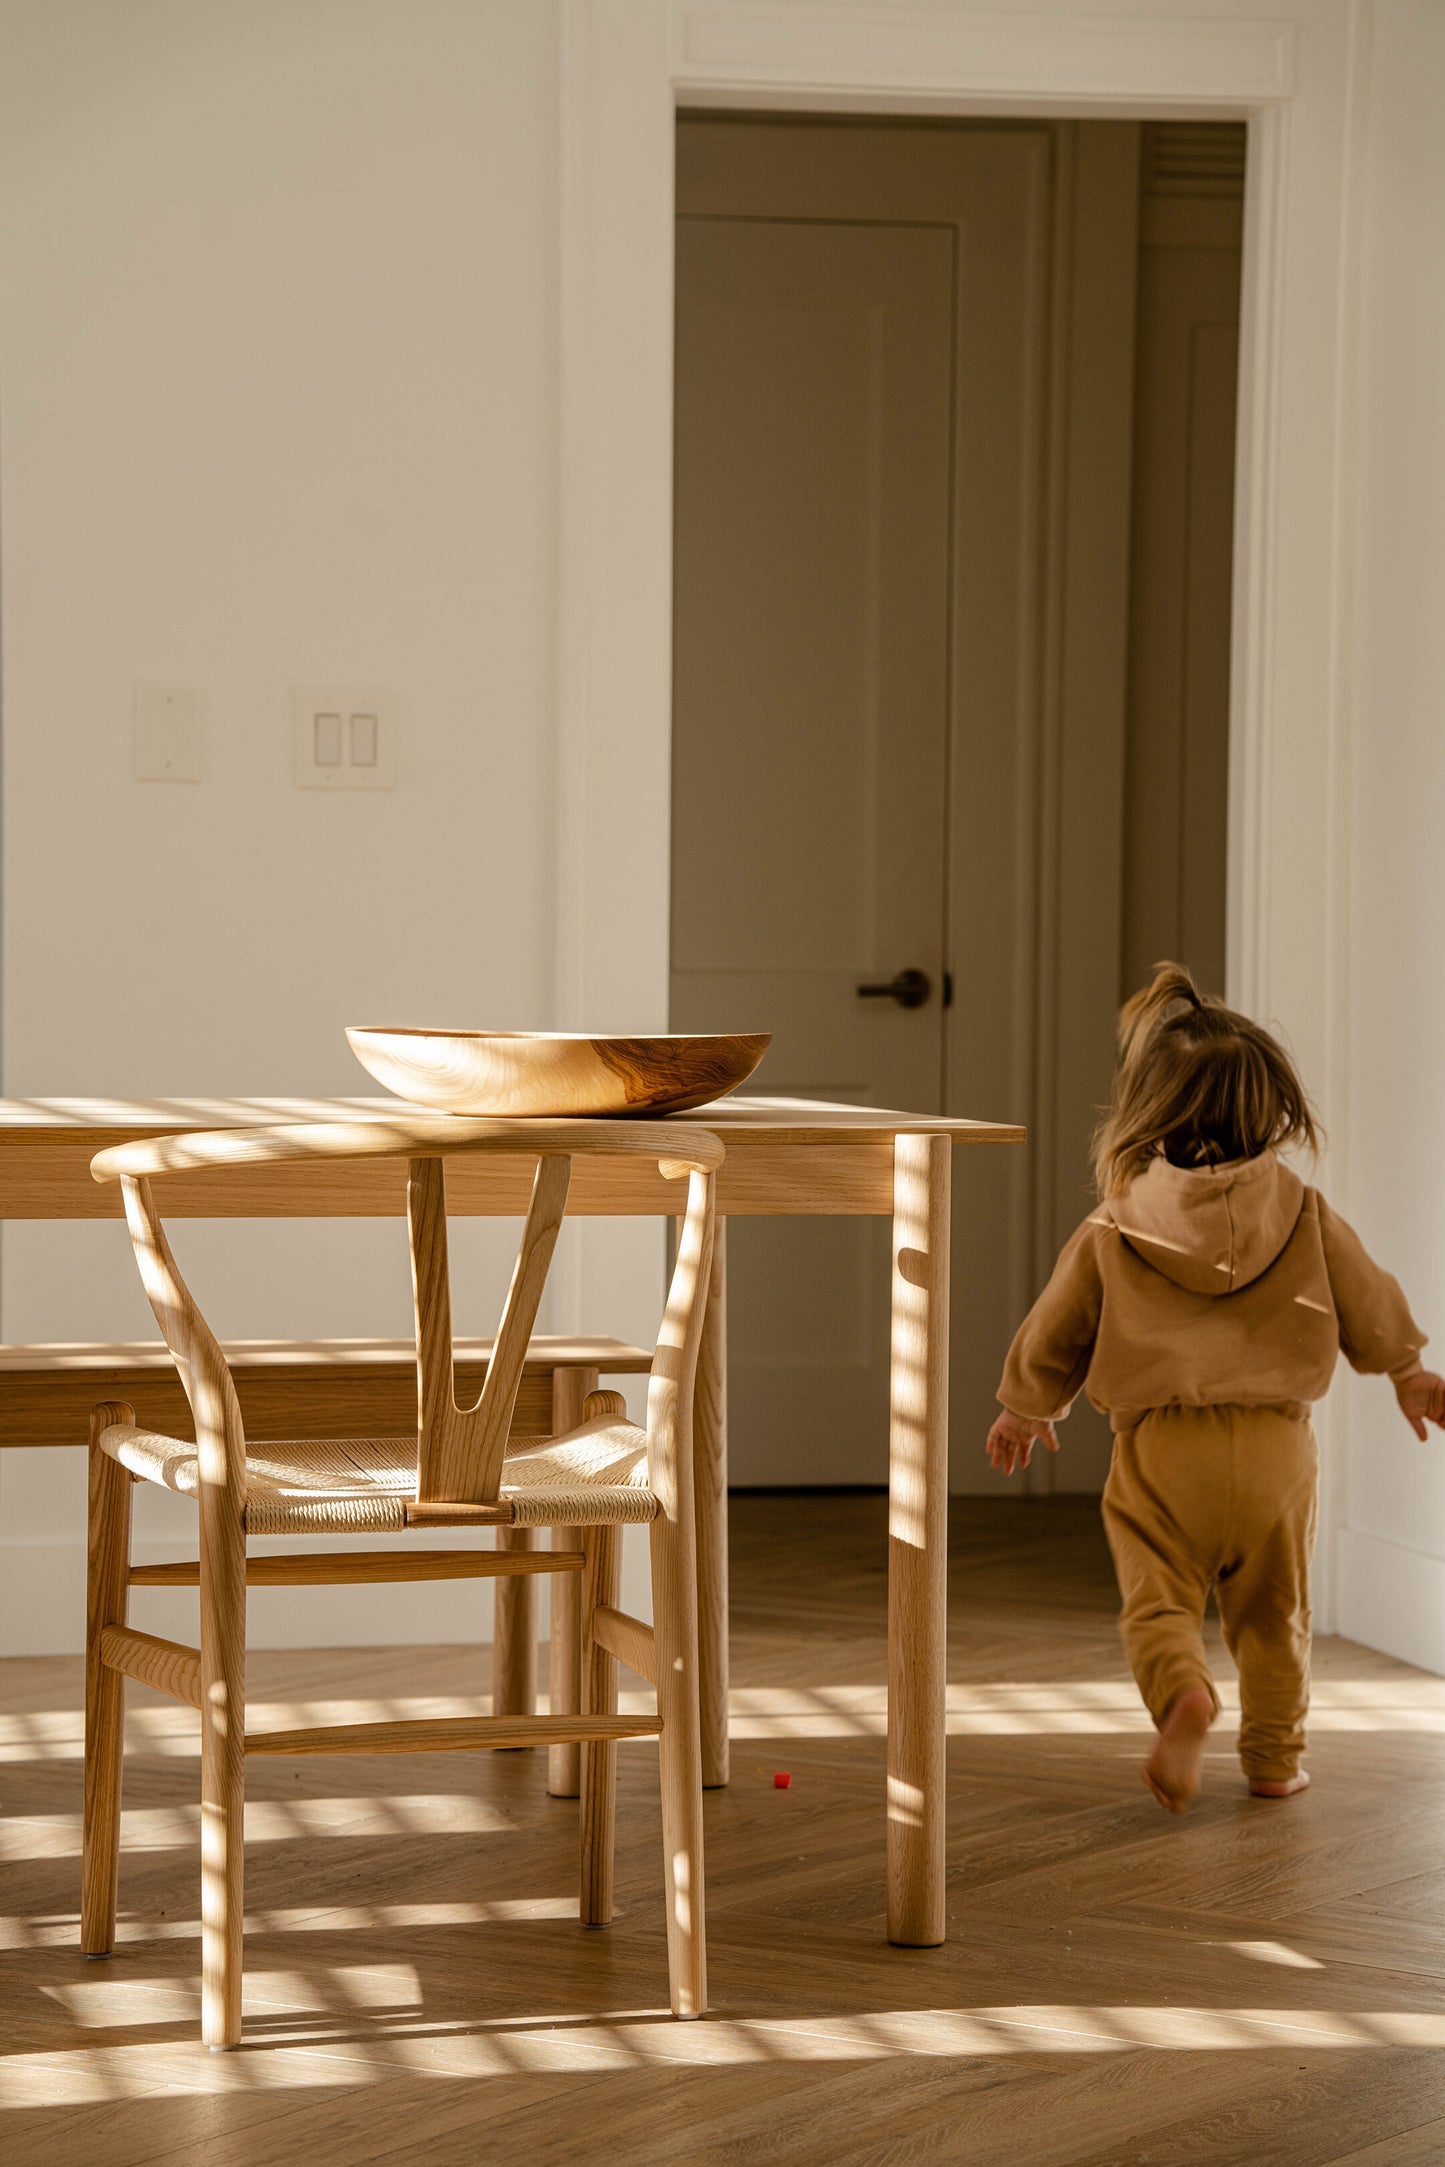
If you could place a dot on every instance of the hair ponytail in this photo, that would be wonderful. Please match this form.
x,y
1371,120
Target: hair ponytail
x,y
1171,985
1197,1083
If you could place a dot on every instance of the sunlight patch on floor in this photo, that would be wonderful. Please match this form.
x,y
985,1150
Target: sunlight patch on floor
x,y
358,2023
1077,1707
107,1998
268,1820
1068,1709
61,1931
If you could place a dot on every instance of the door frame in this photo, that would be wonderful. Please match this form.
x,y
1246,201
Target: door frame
x,y
1297,79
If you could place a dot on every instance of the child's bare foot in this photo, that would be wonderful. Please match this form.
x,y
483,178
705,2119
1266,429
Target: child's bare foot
x,y
1283,1787
1172,1770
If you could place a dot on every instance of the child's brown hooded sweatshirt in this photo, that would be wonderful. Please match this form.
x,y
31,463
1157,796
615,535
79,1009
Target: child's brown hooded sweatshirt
x,y
1205,1287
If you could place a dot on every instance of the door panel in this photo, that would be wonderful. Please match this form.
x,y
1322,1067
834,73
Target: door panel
x,y
813,392
813,423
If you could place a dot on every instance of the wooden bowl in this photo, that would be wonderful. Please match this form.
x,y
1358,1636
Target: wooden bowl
x,y
531,1073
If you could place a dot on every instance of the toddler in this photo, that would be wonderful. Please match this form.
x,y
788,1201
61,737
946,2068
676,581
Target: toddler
x,y
1205,1304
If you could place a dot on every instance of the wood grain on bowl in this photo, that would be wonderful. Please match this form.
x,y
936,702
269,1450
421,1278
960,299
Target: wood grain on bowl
x,y
534,1073
680,1072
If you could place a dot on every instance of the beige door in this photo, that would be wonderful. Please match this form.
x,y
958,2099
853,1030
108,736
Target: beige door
x,y
820,383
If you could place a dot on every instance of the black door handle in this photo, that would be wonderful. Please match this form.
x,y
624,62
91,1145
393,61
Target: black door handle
x,y
910,989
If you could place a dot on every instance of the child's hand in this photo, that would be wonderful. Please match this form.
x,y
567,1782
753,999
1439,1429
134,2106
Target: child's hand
x,y
1422,1400
1013,1437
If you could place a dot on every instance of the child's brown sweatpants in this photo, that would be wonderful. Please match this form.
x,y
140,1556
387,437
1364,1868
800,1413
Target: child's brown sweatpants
x,y
1223,1497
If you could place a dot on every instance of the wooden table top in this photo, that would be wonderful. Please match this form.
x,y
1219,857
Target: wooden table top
x,y
767,1122
785,1157
318,1357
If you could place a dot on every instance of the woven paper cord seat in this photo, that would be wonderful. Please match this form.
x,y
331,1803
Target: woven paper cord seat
x,y
594,1476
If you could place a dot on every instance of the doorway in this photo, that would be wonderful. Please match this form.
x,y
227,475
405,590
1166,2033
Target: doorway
x,y
954,450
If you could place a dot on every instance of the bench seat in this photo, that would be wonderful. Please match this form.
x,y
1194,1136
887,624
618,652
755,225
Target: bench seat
x,y
287,1387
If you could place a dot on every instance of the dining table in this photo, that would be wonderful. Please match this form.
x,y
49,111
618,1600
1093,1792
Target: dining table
x,y
786,1157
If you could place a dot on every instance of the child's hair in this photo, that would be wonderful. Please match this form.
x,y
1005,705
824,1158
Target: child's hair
x,y
1197,1082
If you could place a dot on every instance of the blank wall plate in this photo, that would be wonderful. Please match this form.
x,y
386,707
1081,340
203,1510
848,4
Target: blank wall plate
x,y
344,737
167,734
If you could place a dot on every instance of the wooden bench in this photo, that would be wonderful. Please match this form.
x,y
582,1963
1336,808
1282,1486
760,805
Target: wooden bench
x,y
291,1388
342,1388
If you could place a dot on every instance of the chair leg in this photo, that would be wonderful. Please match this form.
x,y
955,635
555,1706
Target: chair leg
x,y
674,1609
514,1632
564,1667
223,1762
602,1548
107,1600
570,1388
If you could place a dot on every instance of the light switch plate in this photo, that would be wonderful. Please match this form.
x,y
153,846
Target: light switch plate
x,y
344,737
167,745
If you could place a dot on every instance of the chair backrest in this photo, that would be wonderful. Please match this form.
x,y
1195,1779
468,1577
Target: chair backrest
x,y
459,1450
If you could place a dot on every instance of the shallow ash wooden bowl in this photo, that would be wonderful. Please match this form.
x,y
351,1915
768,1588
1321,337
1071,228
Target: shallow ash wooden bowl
x,y
532,1073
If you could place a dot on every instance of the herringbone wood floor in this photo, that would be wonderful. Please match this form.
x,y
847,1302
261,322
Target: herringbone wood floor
x,y
1257,1982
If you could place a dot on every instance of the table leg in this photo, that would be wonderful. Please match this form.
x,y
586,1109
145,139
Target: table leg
x,y
918,1541
570,1388
710,1506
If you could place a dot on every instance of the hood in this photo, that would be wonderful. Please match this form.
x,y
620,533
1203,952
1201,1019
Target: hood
x,y
1209,1228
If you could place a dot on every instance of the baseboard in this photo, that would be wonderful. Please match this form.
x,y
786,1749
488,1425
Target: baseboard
x,y
1391,1598
42,1601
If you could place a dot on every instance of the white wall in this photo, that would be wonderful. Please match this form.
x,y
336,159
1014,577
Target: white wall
x,y
1392,1546
279,403
277,407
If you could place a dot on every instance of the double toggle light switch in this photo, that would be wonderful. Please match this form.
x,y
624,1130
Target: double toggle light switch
x,y
343,738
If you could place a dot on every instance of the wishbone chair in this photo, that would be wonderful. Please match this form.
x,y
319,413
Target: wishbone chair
x,y
454,1472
